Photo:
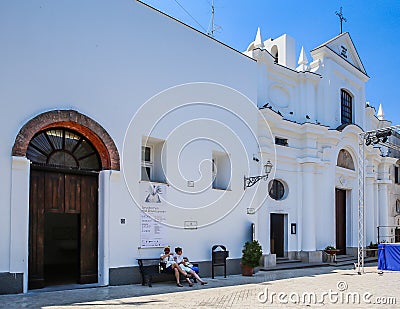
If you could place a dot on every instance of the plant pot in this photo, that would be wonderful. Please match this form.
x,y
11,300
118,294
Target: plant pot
x,y
247,270
332,252
372,253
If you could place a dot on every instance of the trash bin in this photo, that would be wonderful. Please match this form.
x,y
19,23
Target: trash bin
x,y
219,255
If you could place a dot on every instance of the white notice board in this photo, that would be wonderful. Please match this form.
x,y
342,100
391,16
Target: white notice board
x,y
154,217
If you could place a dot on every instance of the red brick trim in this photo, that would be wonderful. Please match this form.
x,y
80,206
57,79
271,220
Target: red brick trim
x,y
70,119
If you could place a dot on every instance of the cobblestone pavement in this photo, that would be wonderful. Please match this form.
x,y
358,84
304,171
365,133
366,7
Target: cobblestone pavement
x,y
311,287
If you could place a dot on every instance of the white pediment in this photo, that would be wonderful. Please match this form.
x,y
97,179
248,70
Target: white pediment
x,y
343,46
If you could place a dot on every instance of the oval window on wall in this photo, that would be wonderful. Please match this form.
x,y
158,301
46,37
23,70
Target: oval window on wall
x,y
276,189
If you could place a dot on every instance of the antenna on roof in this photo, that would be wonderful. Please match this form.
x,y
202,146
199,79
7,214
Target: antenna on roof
x,y
212,18
212,27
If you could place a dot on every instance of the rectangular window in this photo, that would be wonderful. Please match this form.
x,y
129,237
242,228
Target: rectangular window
x,y
151,161
214,172
396,175
221,171
346,107
146,154
147,163
281,141
146,173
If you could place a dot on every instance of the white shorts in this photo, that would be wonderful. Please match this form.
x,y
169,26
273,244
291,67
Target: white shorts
x,y
185,268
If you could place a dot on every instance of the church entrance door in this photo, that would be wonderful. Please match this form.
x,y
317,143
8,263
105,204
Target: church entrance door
x,y
277,234
63,209
341,221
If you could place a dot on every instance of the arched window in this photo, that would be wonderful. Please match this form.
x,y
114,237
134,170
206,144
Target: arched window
x,y
345,160
274,53
63,149
346,107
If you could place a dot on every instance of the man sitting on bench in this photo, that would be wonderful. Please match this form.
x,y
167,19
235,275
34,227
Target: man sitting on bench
x,y
168,257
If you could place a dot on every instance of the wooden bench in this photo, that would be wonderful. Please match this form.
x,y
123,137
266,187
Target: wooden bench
x,y
149,267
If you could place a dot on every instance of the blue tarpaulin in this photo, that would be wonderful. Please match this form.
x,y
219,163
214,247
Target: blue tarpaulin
x,y
389,257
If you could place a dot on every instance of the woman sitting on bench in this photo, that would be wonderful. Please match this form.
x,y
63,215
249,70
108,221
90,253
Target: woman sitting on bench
x,y
171,265
185,265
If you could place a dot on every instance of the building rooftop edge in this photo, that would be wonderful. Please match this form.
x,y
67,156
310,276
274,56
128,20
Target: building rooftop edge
x,y
194,29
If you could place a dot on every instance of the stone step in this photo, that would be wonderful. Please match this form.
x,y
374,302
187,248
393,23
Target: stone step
x,y
342,260
345,258
286,261
353,261
296,265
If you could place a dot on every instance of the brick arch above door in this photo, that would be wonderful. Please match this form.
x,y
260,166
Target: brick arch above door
x,y
74,120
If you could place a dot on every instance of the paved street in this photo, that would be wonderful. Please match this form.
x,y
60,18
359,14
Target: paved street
x,y
311,287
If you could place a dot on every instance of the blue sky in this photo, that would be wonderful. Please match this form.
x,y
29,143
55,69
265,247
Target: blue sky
x,y
374,27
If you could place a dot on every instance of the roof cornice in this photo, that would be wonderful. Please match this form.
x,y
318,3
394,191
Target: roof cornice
x,y
265,56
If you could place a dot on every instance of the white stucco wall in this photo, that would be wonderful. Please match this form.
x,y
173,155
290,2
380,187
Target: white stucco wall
x,y
105,60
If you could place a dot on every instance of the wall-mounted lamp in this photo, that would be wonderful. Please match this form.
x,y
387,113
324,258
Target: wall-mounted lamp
x,y
251,181
377,137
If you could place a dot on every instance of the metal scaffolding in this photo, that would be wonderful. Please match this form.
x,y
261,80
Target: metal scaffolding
x,y
361,166
387,137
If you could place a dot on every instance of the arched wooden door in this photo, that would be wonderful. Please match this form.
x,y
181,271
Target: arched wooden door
x,y
63,208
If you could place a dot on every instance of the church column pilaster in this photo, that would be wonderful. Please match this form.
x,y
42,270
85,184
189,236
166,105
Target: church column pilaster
x,y
383,196
308,202
370,226
19,218
383,206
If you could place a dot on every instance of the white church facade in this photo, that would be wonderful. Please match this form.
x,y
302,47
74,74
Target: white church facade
x,y
128,131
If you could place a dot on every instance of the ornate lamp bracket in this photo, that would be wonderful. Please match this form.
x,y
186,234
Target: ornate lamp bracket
x,y
251,181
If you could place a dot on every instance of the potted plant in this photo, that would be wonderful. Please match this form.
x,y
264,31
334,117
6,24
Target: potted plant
x,y
251,255
330,249
331,252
